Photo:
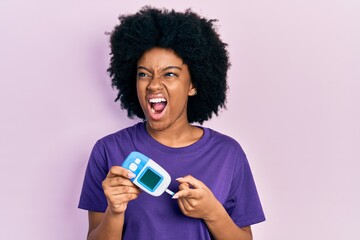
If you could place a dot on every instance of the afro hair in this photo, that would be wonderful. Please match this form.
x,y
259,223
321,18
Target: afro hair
x,y
191,37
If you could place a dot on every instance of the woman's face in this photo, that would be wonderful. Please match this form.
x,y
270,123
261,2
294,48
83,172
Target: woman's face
x,y
163,85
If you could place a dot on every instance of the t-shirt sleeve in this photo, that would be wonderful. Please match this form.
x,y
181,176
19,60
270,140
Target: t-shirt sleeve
x,y
92,196
243,204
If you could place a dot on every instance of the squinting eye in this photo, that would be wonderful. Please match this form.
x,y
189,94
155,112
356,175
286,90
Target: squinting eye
x,y
141,74
170,74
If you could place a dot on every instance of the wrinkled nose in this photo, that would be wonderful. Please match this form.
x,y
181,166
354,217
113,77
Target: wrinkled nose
x,y
155,84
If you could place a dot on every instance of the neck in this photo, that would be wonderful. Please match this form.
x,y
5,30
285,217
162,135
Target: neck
x,y
179,136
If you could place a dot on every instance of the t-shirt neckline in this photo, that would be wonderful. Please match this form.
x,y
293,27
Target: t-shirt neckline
x,y
166,149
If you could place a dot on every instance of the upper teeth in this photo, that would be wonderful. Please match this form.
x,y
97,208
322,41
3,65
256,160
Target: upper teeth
x,y
157,100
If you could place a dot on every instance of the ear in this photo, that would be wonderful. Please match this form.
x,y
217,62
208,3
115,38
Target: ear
x,y
192,90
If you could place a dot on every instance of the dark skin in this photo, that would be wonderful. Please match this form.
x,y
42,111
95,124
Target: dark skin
x,y
163,75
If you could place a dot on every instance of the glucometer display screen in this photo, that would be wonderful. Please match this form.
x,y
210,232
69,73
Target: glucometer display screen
x,y
150,179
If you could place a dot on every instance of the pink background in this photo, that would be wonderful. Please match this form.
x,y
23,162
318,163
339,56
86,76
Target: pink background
x,y
293,105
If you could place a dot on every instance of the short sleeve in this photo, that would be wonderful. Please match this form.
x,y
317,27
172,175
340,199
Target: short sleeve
x,y
92,196
243,204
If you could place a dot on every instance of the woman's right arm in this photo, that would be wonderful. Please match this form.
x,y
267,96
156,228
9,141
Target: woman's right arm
x,y
119,190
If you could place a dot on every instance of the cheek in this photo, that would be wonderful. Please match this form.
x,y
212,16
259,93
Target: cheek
x,y
180,96
140,87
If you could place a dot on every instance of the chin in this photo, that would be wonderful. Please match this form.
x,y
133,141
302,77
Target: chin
x,y
157,125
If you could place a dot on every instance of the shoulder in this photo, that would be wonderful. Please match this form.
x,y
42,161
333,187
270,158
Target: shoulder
x,y
121,135
223,139
119,143
113,148
226,146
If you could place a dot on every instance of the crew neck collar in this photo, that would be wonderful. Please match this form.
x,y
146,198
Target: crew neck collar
x,y
169,150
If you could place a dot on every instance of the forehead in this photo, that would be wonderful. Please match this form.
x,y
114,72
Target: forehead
x,y
159,58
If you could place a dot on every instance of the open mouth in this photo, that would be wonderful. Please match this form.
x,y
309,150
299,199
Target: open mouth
x,y
157,105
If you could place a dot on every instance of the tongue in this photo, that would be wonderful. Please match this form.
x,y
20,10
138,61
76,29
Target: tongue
x,y
158,107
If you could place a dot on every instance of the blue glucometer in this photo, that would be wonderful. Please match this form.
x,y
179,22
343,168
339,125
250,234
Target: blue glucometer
x,y
149,176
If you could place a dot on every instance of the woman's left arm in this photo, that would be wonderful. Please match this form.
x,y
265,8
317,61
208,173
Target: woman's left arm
x,y
196,200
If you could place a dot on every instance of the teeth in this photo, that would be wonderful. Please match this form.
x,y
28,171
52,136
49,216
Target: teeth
x,y
157,100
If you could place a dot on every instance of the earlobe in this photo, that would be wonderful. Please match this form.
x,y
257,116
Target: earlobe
x,y
192,92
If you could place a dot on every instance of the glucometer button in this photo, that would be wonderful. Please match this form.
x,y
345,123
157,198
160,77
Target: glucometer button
x,y
137,161
133,167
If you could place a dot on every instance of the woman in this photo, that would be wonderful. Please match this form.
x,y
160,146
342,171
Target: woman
x,y
170,70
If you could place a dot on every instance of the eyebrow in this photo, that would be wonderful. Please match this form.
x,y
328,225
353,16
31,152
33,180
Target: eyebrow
x,y
165,69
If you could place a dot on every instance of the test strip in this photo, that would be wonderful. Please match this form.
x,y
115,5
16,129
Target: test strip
x,y
170,192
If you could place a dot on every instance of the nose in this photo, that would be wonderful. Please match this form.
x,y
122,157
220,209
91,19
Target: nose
x,y
155,84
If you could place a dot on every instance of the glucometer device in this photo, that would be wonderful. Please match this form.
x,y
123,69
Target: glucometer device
x,y
149,176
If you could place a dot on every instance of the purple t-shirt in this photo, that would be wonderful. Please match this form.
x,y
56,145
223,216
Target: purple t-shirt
x,y
216,160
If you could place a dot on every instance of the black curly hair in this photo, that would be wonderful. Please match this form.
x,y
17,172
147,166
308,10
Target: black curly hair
x,y
191,37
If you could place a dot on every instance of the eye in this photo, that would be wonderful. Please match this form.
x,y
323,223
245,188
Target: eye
x,y
170,74
141,75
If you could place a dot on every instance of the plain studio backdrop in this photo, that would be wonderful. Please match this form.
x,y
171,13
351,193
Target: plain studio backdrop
x,y
293,105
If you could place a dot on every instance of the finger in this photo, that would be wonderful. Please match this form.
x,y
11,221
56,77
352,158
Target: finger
x,y
184,186
120,208
119,200
123,190
191,181
115,192
187,193
184,206
119,181
181,205
116,171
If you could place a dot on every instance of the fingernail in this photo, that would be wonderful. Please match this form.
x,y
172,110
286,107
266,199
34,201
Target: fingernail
x,y
175,197
131,175
178,178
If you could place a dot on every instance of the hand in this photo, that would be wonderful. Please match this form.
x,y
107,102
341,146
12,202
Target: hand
x,y
196,200
118,189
